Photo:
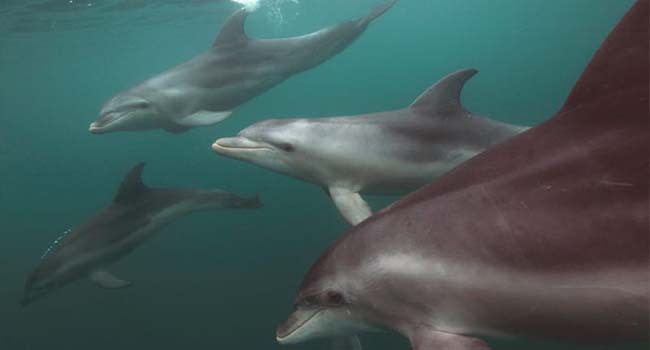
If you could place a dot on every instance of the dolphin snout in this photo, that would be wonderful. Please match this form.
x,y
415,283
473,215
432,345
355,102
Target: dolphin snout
x,y
94,128
239,143
286,332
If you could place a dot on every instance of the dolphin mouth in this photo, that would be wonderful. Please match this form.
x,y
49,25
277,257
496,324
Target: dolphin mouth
x,y
230,144
295,321
105,120
95,129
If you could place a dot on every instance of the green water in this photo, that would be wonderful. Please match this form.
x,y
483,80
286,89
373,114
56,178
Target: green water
x,y
224,280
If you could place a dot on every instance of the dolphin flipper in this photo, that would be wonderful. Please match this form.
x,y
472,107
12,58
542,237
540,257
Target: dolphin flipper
x,y
107,280
346,343
203,118
350,204
446,341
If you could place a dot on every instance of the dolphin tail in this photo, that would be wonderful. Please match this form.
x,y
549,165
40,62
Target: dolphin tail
x,y
250,202
376,12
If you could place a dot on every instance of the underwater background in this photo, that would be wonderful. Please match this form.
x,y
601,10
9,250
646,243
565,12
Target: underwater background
x,y
225,279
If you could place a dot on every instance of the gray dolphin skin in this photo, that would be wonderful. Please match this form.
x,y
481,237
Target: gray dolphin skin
x,y
391,152
544,237
135,214
205,90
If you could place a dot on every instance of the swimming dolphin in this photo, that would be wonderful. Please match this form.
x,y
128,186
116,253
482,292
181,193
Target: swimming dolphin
x,y
206,89
542,237
136,213
391,152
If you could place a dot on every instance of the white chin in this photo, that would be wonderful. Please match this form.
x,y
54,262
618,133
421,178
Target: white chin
x,y
326,323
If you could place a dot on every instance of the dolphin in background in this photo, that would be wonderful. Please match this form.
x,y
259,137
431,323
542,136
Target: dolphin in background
x,y
205,90
542,237
392,152
136,213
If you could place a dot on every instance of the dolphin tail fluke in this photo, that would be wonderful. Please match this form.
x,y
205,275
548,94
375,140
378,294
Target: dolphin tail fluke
x,y
251,202
443,98
377,12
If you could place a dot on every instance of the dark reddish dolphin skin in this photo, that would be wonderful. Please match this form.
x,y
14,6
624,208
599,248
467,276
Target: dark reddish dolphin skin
x,y
545,236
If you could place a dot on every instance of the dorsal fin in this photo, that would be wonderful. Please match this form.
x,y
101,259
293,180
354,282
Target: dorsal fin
x,y
132,186
606,73
443,98
232,31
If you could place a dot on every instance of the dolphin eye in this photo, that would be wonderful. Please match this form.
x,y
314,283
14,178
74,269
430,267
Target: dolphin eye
x,y
287,147
141,105
334,298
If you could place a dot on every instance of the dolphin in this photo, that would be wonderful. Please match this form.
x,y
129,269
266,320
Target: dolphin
x,y
543,237
135,214
392,152
205,90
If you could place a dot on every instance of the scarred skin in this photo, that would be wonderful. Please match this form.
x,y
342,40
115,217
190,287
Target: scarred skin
x,y
542,237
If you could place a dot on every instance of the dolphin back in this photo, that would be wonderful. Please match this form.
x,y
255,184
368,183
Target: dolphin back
x,y
218,199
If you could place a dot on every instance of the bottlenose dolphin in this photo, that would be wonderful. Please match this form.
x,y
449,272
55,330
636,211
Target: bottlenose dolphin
x,y
136,213
391,152
542,237
206,89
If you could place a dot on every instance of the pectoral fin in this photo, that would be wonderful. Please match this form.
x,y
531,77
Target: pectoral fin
x,y
350,204
446,341
346,343
107,280
203,118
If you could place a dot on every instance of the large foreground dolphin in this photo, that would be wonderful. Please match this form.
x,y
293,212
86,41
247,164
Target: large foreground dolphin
x,y
135,214
391,152
206,89
542,237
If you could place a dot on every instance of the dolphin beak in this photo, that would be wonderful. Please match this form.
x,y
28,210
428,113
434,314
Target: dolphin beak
x,y
296,320
229,145
94,128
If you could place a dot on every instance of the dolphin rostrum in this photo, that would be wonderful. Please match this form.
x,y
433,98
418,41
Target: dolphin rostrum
x,y
206,89
391,152
136,213
542,237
